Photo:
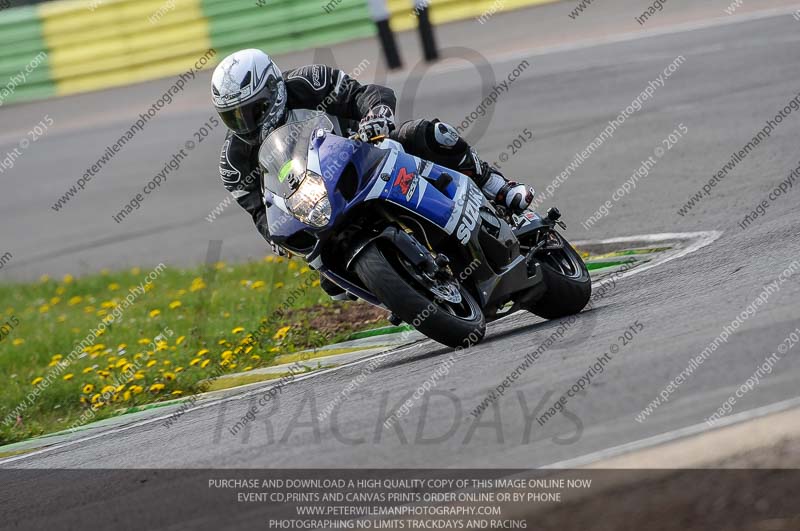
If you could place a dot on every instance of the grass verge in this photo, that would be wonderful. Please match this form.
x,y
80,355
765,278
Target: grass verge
x,y
74,351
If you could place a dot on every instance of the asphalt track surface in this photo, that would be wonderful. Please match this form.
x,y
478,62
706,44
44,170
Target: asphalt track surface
x,y
735,77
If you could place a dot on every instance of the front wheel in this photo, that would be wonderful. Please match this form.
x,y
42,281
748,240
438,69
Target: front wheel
x,y
567,281
445,312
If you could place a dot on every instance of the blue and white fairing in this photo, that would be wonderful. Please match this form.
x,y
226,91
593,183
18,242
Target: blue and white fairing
x,y
384,173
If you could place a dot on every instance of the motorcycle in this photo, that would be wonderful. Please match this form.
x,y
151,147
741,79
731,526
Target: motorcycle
x,y
416,238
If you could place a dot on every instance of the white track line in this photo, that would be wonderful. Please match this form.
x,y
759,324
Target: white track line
x,y
703,239
676,434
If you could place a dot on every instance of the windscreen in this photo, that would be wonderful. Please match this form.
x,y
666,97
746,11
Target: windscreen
x,y
283,155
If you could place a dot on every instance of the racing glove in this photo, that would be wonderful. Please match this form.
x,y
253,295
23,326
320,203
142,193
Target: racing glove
x,y
378,122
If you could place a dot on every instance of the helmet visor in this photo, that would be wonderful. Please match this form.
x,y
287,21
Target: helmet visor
x,y
245,119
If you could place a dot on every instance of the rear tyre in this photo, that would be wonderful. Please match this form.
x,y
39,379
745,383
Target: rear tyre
x,y
453,324
567,281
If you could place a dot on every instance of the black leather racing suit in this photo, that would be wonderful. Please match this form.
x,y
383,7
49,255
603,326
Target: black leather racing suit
x,y
319,87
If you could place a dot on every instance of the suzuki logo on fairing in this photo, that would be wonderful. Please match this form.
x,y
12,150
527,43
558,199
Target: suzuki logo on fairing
x,y
406,182
469,220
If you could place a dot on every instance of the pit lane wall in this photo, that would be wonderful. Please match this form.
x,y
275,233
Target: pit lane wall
x,y
72,46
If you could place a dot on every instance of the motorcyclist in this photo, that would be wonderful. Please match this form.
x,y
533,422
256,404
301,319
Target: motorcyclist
x,y
253,98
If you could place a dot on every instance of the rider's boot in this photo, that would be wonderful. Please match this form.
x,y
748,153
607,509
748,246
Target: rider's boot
x,y
509,194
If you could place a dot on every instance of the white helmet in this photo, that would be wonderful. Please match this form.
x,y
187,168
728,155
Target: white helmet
x,y
249,94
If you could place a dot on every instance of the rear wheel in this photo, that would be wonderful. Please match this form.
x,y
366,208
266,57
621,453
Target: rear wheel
x,y
442,310
567,281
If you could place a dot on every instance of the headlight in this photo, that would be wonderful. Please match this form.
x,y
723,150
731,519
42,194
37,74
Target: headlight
x,y
310,202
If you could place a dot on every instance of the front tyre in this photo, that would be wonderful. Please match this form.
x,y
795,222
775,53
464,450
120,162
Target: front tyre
x,y
567,281
395,284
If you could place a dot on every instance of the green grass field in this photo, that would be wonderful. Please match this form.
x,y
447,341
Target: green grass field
x,y
79,350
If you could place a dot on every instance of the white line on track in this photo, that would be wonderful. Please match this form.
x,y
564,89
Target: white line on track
x,y
676,434
699,240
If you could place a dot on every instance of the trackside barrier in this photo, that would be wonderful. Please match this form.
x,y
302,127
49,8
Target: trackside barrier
x,y
85,45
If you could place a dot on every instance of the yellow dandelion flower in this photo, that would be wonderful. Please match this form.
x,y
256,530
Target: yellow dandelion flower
x,y
248,368
135,270
119,388
113,286
279,285
138,376
203,352
177,393
126,396
205,364
74,301
222,342
269,259
178,369
95,398
68,279
258,284
136,389
157,387
255,357
44,308
18,341
166,363
87,389
175,304
161,345
37,380
248,350
219,265
127,368
293,265
87,370
180,340
57,357
232,366
274,349
69,376
101,333
227,355
120,363
155,313
107,304
54,301
169,376
315,283
194,362
144,341
244,282
281,333
197,285
237,330
107,390
61,318
103,373
61,290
